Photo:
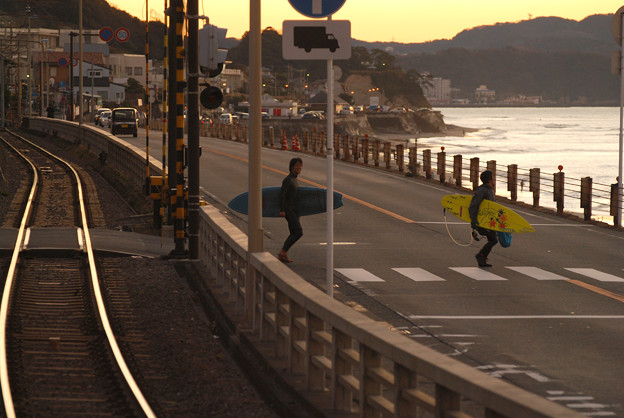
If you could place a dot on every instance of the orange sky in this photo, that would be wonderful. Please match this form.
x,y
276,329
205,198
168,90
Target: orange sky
x,y
391,20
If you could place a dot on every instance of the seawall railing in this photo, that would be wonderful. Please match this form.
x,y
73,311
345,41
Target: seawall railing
x,y
533,186
348,363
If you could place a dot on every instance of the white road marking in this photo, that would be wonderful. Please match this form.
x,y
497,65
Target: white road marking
x,y
595,274
418,275
477,273
538,273
359,275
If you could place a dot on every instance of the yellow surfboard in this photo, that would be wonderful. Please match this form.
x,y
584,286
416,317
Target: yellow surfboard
x,y
491,215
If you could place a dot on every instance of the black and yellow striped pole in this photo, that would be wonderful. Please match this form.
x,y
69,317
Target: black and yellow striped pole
x,y
147,109
164,122
180,215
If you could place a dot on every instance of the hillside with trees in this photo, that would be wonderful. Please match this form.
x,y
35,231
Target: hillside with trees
x,y
398,86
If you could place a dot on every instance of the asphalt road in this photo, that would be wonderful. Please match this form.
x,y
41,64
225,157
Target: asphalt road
x,y
548,316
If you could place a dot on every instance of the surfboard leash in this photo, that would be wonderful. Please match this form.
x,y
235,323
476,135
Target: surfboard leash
x,y
451,235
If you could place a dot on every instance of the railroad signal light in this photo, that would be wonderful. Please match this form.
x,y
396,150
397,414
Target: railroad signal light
x,y
211,97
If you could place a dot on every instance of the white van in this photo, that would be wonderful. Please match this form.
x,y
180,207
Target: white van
x,y
226,118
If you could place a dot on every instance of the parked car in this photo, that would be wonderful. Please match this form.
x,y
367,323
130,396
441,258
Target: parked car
x,y
358,109
312,115
124,121
226,118
346,110
98,114
105,119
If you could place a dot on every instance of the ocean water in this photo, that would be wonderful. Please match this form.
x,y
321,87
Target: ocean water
x,y
584,140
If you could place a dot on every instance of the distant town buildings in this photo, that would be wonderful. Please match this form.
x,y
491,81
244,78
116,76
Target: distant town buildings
x,y
438,90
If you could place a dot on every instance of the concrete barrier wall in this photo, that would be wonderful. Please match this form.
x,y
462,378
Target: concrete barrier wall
x,y
349,363
125,159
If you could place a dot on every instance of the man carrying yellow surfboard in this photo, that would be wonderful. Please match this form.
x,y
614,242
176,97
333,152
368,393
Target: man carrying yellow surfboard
x,y
483,192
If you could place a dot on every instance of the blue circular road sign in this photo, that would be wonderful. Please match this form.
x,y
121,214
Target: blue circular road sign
x,y
317,8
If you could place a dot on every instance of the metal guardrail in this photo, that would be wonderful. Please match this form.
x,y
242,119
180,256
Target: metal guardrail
x,y
356,364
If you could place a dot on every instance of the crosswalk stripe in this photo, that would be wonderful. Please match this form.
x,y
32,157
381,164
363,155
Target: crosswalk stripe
x,y
418,275
359,275
537,273
597,275
477,273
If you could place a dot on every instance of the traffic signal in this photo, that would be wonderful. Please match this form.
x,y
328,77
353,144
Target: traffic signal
x,y
211,57
211,97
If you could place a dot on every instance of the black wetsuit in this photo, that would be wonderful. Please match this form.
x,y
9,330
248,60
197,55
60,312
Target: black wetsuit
x,y
484,192
288,205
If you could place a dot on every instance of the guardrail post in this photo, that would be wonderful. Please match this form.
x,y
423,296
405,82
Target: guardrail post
x,y
322,147
413,158
356,151
534,185
586,197
404,379
342,397
376,146
447,401
346,143
387,157
315,374
491,165
400,157
271,136
365,149
369,359
613,207
457,169
474,172
306,140
559,179
512,181
337,145
427,162
442,166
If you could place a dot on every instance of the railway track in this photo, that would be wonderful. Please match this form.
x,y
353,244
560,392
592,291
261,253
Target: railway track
x,y
58,354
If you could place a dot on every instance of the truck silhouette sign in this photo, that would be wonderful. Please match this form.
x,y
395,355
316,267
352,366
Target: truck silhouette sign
x,y
308,37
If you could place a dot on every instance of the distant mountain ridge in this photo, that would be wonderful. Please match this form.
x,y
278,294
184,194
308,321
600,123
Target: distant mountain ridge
x,y
591,35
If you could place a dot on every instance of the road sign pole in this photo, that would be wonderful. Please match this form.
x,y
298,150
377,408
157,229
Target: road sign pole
x,y
330,177
619,183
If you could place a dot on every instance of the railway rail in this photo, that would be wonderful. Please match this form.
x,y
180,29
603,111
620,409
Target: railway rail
x,y
58,353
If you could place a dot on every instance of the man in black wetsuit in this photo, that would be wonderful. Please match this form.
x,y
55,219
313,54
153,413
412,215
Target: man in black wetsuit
x,y
483,192
288,208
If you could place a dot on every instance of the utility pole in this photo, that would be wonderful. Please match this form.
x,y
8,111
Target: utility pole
x,y
72,35
193,128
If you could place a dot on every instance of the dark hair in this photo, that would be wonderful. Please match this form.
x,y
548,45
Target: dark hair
x,y
486,176
293,162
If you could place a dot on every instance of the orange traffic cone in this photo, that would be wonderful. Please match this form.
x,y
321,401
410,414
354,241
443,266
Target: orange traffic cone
x,y
284,142
295,143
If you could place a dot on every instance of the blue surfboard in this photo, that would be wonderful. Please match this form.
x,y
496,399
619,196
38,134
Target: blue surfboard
x,y
312,201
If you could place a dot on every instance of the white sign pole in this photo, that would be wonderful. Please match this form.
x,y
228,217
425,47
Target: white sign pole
x,y
330,176
619,183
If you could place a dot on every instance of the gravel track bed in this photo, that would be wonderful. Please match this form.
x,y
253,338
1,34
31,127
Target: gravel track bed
x,y
181,363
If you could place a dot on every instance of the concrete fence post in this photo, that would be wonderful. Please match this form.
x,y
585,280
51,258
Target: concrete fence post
x,y
512,181
356,151
400,158
491,165
387,157
442,166
586,197
474,172
376,146
534,185
427,163
365,150
457,169
558,192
